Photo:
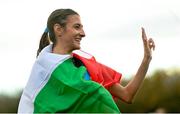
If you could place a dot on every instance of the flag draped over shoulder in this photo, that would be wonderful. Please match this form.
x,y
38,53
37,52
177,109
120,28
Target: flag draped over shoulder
x,y
57,85
98,72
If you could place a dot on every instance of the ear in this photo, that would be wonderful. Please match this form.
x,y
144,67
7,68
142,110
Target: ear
x,y
58,29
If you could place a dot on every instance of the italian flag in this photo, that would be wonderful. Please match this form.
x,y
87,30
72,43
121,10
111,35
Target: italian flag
x,y
69,83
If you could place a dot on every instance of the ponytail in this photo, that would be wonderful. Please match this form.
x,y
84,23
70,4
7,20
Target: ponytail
x,y
44,41
58,16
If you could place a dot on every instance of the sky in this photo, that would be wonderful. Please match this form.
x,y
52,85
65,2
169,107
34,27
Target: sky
x,y
113,34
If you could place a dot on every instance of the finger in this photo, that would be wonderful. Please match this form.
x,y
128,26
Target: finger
x,y
144,38
144,34
151,43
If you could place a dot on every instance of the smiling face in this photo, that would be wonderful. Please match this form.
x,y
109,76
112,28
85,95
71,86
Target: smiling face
x,y
70,36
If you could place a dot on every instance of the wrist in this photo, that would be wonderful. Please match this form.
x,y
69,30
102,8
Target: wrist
x,y
147,58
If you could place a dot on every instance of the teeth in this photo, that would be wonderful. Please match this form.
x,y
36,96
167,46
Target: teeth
x,y
78,40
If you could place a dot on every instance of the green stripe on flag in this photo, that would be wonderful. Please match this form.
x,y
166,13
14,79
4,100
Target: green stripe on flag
x,y
67,91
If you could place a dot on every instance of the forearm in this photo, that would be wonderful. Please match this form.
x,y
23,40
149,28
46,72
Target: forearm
x,y
128,92
135,83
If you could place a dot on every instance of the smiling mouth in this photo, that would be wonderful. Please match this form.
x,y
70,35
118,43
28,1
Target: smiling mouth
x,y
78,40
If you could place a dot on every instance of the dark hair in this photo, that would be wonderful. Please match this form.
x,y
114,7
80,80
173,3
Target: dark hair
x,y
58,16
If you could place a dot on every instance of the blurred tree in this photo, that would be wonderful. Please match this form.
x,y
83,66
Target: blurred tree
x,y
9,103
159,91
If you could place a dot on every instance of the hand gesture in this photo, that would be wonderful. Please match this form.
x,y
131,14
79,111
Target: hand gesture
x,y
149,45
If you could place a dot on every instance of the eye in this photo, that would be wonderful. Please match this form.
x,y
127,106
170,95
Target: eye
x,y
77,26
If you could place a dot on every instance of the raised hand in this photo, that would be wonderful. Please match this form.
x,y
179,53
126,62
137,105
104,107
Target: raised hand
x,y
128,92
149,45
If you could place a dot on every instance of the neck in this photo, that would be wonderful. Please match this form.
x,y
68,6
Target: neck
x,y
61,50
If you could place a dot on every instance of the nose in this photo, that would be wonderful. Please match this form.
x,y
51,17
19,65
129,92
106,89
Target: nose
x,y
82,33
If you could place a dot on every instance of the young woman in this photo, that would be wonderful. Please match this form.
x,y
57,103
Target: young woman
x,y
64,80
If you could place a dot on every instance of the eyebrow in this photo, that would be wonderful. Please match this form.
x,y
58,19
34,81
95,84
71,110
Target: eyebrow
x,y
78,24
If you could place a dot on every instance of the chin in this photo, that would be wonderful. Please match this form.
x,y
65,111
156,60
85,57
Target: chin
x,y
77,48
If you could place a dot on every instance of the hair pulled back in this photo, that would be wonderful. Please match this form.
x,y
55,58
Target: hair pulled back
x,y
58,16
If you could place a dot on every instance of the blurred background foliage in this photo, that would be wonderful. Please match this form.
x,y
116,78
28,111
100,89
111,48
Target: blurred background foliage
x,y
160,92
